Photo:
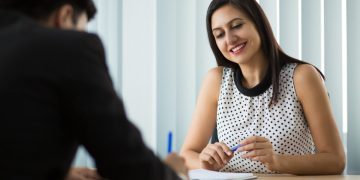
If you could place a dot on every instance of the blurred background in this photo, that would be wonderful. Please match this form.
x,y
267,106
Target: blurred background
x,y
157,52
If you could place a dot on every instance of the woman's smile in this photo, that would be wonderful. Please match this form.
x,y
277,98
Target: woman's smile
x,y
238,49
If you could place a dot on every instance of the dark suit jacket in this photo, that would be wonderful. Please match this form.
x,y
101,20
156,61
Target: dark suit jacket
x,y
55,94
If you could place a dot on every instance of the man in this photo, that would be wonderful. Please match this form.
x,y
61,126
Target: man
x,y
56,93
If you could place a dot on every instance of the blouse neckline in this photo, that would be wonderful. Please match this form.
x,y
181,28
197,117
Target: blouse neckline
x,y
256,90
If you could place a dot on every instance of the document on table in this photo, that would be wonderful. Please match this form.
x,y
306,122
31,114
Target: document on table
x,y
207,174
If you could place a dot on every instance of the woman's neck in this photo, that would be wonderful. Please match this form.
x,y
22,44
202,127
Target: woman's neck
x,y
254,72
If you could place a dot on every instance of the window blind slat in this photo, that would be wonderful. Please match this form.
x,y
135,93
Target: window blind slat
x,y
289,27
353,145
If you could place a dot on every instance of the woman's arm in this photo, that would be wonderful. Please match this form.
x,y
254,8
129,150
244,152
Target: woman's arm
x,y
329,157
196,149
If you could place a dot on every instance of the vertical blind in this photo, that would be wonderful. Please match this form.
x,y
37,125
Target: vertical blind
x,y
158,54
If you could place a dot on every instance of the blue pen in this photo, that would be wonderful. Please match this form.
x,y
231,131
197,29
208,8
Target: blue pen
x,y
233,149
169,142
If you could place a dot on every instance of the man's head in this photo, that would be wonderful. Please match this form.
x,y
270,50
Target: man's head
x,y
64,14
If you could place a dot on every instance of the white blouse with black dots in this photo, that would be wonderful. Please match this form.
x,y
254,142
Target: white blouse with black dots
x,y
242,113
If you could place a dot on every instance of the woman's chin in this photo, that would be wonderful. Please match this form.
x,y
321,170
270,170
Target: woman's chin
x,y
240,61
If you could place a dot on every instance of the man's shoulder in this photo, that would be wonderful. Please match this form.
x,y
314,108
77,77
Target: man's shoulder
x,y
66,38
56,46
23,30
65,43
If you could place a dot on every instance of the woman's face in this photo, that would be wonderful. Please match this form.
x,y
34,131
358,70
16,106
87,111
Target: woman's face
x,y
235,34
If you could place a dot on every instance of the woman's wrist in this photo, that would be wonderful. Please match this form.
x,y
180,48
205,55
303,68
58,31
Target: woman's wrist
x,y
276,165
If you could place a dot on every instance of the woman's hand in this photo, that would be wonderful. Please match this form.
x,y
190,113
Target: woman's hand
x,y
215,156
259,148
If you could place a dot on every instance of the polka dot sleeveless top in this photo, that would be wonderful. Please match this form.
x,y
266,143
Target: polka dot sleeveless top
x,y
245,112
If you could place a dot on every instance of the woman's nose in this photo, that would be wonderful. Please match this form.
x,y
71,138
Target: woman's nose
x,y
231,38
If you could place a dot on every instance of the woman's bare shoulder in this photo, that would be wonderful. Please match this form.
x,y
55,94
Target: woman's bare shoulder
x,y
212,82
306,77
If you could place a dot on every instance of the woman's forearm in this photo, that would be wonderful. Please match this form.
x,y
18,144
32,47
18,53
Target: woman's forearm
x,y
320,163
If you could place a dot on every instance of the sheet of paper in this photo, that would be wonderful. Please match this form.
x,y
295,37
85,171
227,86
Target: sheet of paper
x,y
207,174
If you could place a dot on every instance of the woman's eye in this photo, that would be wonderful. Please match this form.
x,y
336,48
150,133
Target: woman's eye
x,y
236,26
217,36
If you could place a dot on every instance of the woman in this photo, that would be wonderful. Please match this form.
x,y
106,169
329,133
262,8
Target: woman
x,y
273,106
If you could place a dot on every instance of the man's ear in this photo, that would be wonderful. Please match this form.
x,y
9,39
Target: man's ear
x,y
63,17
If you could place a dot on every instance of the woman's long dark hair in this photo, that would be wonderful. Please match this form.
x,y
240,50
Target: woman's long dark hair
x,y
271,49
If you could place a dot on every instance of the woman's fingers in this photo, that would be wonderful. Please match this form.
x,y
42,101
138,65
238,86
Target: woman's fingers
x,y
207,158
209,154
218,153
257,148
222,151
254,146
254,142
254,139
226,149
255,153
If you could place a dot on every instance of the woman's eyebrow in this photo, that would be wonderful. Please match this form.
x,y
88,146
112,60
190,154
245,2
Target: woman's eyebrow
x,y
217,28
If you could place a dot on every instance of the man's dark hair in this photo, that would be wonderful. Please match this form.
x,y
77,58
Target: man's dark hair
x,y
41,9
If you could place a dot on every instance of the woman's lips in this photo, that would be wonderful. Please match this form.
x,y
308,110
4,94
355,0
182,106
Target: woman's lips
x,y
238,49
